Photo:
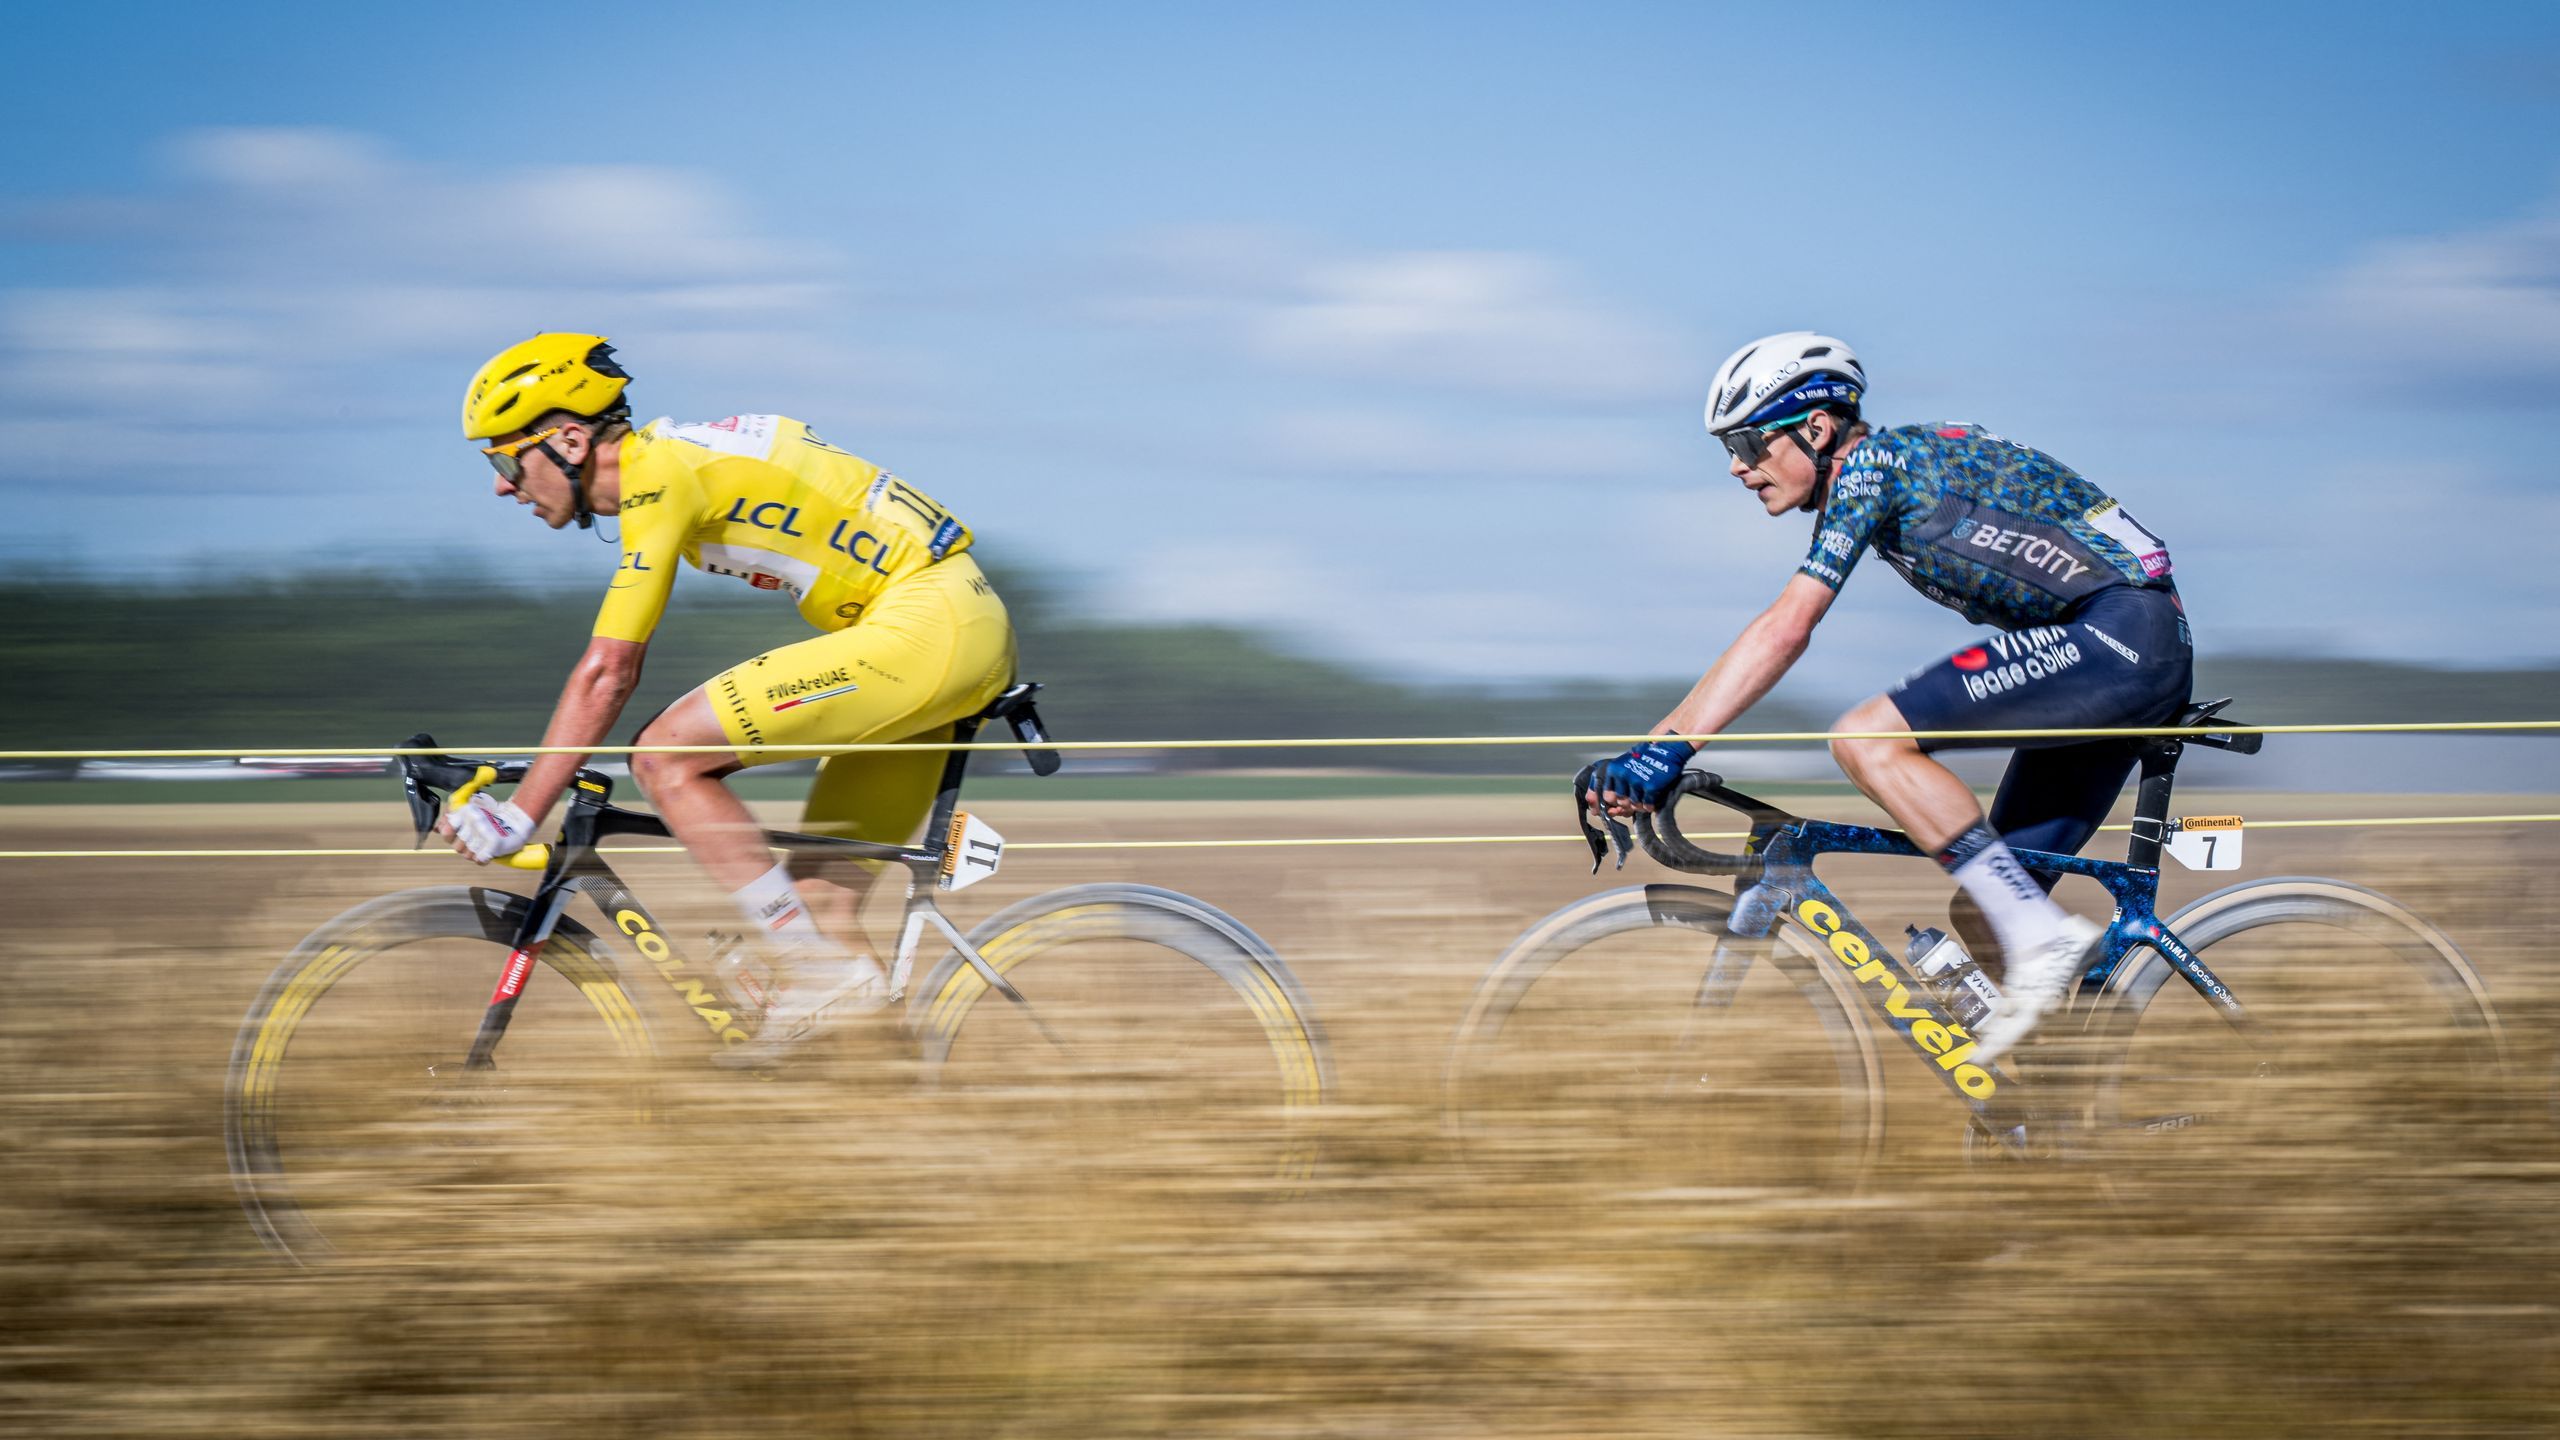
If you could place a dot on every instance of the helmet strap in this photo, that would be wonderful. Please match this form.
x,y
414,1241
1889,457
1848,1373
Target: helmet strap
x,y
620,412
578,493
577,482
1822,461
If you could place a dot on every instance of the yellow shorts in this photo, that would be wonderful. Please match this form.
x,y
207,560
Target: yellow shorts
x,y
933,648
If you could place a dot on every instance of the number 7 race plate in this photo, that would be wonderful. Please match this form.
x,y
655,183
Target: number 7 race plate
x,y
2207,842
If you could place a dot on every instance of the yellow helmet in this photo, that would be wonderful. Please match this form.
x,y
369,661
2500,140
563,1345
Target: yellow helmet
x,y
552,371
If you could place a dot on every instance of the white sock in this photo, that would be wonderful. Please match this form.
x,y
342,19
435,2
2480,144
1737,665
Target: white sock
x,y
2020,911
772,906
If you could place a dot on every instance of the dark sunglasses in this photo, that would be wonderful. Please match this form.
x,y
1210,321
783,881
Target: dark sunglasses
x,y
1752,446
507,459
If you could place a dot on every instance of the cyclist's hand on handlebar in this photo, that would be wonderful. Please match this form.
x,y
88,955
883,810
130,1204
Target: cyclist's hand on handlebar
x,y
486,829
1641,779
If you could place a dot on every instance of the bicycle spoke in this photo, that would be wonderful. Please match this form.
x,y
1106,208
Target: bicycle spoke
x,y
1157,1031
361,1120
1647,1056
2359,1019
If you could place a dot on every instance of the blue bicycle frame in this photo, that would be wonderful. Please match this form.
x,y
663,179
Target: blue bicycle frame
x,y
1774,882
1788,887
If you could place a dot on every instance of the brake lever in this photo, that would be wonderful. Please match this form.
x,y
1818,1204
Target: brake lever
x,y
1615,836
424,803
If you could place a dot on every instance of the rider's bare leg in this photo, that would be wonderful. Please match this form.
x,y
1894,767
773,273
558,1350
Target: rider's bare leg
x,y
835,905
1973,928
881,796
818,977
712,821
1924,797
1939,813
2042,940
837,893
717,827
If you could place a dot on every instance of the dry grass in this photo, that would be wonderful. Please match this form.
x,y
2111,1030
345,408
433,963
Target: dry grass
x,y
827,1254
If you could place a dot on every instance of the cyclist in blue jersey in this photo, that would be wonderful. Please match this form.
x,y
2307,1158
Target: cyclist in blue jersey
x,y
2088,628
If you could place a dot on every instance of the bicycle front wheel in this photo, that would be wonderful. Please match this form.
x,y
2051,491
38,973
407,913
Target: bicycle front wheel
x,y
2358,1012
351,1122
1162,1025
1630,1038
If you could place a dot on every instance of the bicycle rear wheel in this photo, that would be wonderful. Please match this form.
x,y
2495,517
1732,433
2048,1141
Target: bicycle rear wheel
x,y
1159,1024
2360,1014
1629,1038
351,1123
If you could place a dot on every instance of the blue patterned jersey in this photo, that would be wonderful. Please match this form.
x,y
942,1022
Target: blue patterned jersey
x,y
2007,535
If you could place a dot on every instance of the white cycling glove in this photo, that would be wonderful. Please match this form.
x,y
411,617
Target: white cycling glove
x,y
491,828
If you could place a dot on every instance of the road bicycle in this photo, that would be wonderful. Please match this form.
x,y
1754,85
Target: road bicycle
x,y
399,1030
1694,1035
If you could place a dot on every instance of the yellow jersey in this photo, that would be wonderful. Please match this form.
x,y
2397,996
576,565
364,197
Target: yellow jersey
x,y
762,498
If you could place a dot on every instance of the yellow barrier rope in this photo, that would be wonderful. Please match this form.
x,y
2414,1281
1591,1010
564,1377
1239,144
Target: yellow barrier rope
x,y
274,755
2368,822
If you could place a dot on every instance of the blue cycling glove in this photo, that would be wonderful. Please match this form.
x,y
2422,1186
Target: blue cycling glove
x,y
1646,773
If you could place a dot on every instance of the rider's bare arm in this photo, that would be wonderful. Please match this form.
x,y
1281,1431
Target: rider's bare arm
x,y
598,687
1757,659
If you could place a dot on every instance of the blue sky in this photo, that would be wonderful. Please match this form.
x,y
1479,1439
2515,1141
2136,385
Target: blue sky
x,y
1382,327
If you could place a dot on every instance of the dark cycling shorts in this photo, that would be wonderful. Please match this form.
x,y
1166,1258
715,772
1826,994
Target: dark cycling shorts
x,y
2123,659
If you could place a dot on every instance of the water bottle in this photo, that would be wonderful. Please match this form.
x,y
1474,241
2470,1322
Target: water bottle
x,y
1940,961
745,972
1933,952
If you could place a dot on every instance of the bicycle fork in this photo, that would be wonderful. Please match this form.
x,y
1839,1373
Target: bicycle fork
x,y
921,914
539,921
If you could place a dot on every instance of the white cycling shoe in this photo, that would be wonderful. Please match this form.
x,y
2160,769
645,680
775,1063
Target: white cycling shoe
x,y
824,991
2036,982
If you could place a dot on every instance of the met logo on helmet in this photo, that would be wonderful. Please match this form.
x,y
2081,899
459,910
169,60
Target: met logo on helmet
x,y
1775,378
555,370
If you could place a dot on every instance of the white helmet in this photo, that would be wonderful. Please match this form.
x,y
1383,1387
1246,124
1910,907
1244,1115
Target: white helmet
x,y
1783,375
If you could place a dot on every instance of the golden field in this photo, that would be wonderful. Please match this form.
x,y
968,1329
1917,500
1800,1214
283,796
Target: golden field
x,y
828,1253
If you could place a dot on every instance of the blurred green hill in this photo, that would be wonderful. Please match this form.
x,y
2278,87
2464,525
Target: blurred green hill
x,y
338,659
332,659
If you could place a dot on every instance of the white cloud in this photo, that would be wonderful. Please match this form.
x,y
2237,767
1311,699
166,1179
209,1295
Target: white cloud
x,y
281,159
2450,311
301,279
1521,580
297,289
292,202
1408,617
1494,323
1372,441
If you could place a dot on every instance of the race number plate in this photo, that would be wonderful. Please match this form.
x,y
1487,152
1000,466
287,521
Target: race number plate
x,y
972,853
2207,842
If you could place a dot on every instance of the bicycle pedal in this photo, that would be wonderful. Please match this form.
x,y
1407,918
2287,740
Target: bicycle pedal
x,y
1991,1140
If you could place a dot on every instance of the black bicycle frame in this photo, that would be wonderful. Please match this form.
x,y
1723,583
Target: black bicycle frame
x,y
574,864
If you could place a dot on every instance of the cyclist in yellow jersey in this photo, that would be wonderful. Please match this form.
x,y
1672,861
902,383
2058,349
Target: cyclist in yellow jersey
x,y
913,638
